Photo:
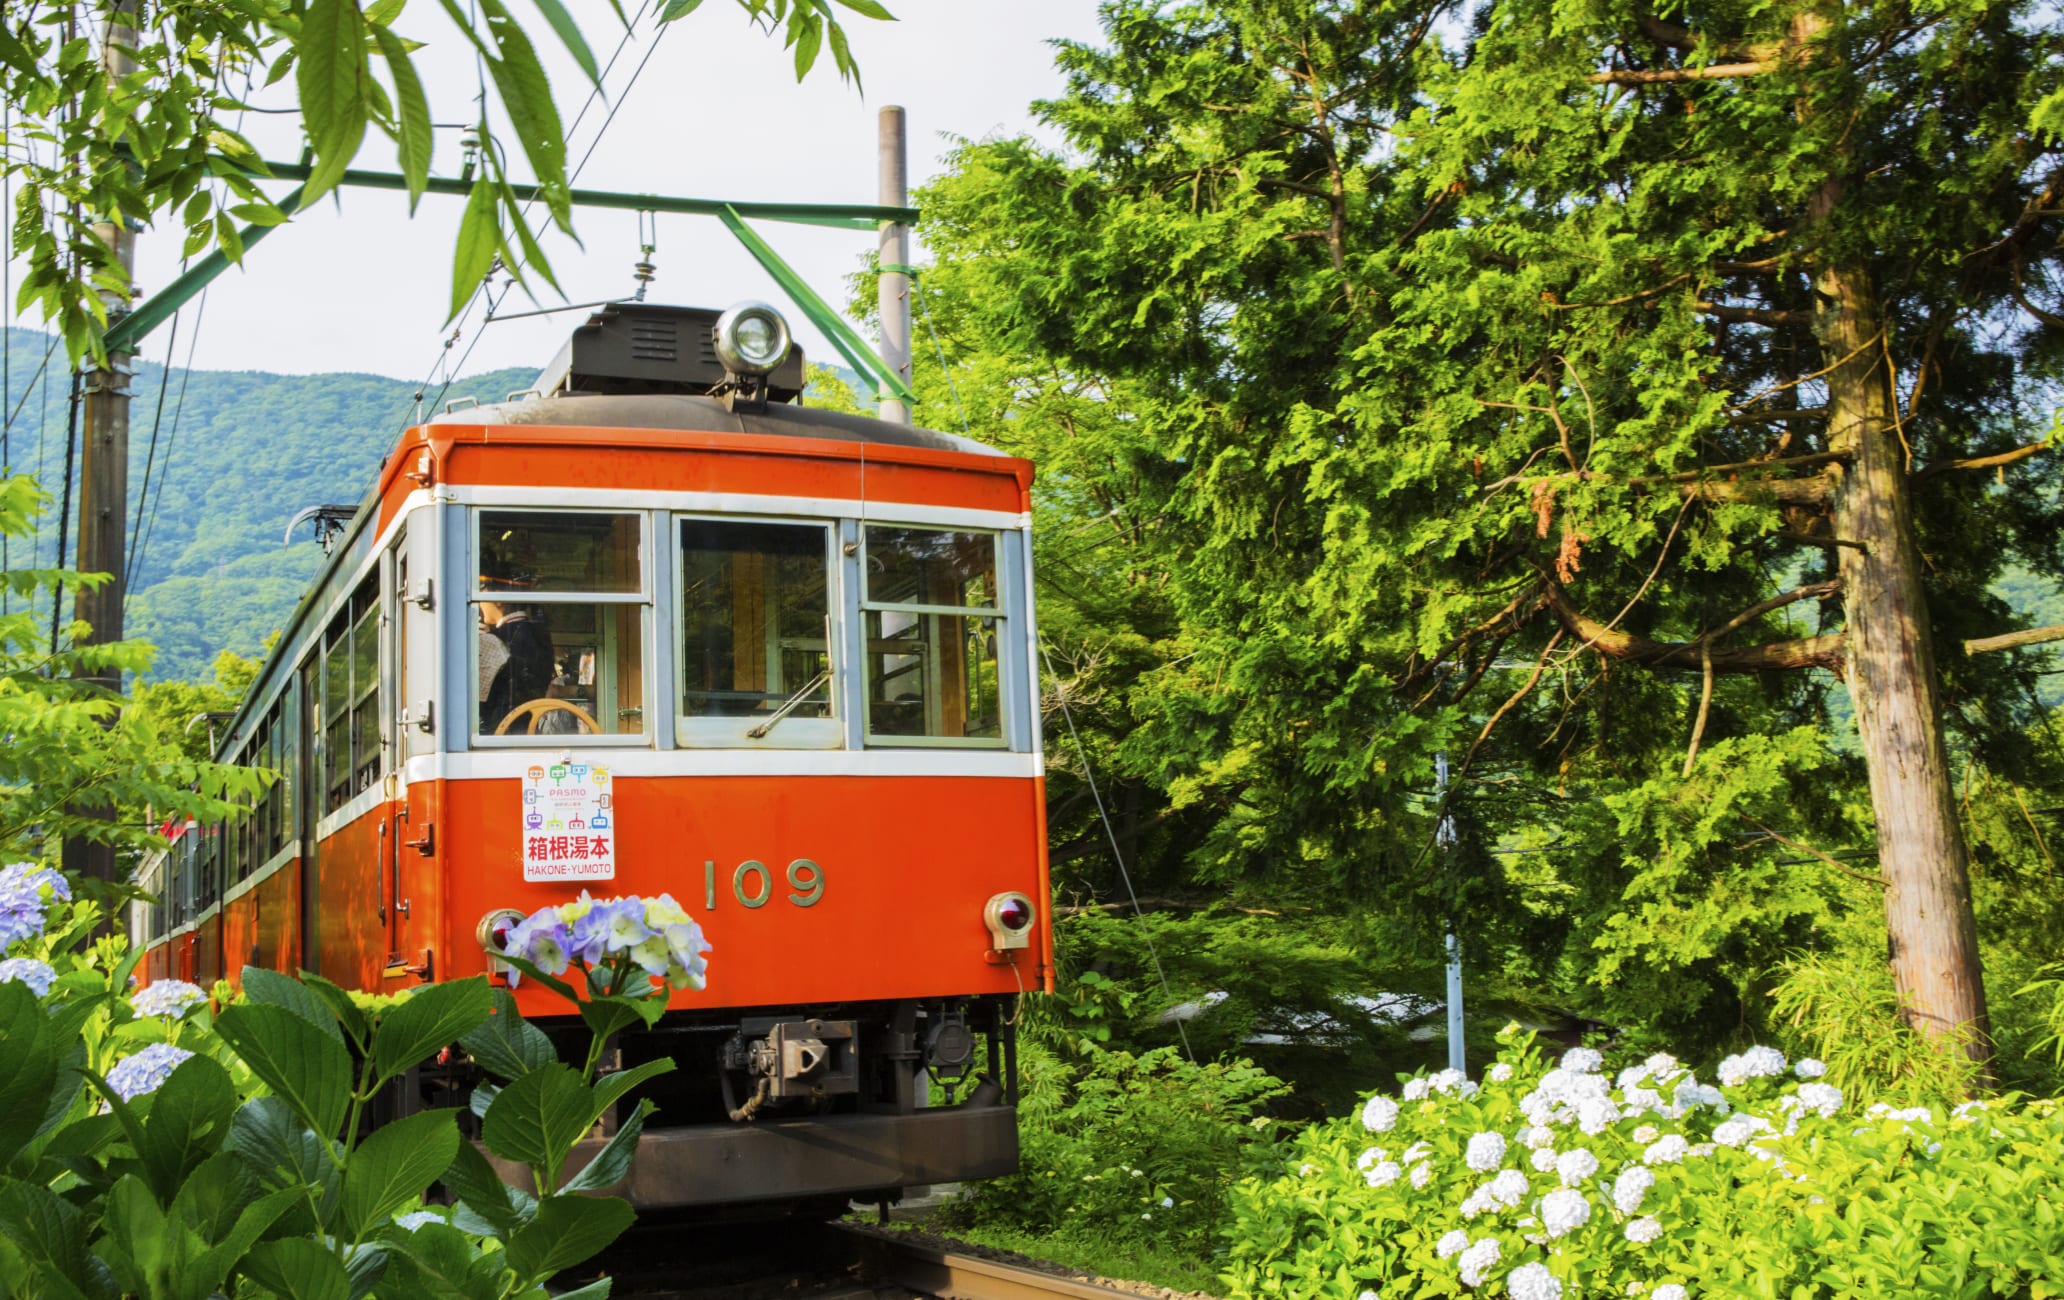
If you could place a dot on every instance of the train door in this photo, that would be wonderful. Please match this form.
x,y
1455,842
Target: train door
x,y
394,796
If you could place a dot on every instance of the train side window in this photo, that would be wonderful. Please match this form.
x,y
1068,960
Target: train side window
x,y
559,615
755,660
350,715
933,619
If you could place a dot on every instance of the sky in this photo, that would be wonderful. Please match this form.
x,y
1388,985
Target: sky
x,y
355,284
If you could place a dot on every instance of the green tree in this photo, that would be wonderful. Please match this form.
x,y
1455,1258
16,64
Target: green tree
x,y
1595,397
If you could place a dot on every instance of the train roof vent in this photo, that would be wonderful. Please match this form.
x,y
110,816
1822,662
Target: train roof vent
x,y
637,347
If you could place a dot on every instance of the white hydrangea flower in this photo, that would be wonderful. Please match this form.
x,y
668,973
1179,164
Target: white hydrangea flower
x,y
1596,1114
1691,1094
1934,1149
1823,1099
1543,1160
1477,1261
1646,1134
1756,1063
1452,1081
1416,1089
1168,1202
1661,1066
1964,1110
1537,1136
1582,1060
1307,1169
1808,1068
1421,1176
1737,1131
1416,1151
1630,1076
1666,1150
1533,1281
1564,1210
416,1219
1370,1295
1667,1291
1630,1187
1509,1188
170,998
1574,1166
1637,1100
1369,1157
1385,1173
1454,1243
1486,1152
1499,1073
1643,1231
1379,1114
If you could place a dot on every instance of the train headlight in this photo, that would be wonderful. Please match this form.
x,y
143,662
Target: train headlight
x,y
1009,917
751,338
493,933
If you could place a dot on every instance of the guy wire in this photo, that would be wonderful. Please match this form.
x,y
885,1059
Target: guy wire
x,y
1139,914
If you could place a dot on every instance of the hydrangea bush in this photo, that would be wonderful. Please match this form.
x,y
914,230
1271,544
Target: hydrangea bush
x,y
1550,1181
163,1142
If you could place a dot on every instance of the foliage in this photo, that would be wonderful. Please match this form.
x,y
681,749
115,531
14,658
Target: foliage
x,y
161,143
1555,1182
1119,1148
1846,1013
156,1146
1351,339
73,756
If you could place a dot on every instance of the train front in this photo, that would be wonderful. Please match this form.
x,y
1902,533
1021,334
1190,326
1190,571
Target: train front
x,y
660,630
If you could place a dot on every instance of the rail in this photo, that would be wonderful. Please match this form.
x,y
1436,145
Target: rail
x,y
951,1275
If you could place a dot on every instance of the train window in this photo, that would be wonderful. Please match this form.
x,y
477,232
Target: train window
x,y
755,607
560,615
932,619
351,688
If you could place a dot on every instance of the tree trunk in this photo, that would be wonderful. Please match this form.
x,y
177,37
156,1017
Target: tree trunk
x,y
1891,673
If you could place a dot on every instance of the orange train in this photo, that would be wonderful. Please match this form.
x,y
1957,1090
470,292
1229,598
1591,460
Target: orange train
x,y
654,627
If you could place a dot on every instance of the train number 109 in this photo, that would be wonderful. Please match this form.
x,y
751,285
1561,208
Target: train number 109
x,y
752,884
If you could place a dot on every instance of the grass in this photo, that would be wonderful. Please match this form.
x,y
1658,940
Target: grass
x,y
1126,1261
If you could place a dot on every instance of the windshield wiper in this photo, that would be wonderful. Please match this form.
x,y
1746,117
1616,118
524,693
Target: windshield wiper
x,y
789,705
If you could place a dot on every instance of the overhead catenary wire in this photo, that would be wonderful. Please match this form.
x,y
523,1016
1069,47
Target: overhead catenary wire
x,y
150,457
150,524
1117,855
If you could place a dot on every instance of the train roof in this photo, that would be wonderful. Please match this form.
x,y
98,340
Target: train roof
x,y
680,412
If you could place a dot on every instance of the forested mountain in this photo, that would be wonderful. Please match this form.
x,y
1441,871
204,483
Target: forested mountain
x,y
238,454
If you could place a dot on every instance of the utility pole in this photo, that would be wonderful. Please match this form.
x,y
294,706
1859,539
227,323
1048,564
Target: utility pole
x,y
104,464
1444,836
894,284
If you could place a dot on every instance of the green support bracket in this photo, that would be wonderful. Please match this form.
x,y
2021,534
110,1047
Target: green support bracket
x,y
126,333
843,337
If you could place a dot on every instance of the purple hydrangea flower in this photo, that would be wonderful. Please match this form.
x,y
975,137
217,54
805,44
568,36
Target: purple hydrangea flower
x,y
544,940
27,970
146,1071
171,998
624,922
26,891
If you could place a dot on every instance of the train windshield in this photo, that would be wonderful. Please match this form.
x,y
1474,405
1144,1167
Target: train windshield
x,y
755,660
559,610
932,613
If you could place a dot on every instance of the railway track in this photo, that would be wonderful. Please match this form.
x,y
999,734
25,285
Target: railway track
x,y
818,1261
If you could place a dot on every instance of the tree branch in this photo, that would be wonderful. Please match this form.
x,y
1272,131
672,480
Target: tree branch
x,y
1982,462
1755,315
2014,640
1790,843
1659,76
1779,656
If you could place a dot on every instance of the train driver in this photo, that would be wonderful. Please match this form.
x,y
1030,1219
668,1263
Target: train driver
x,y
516,664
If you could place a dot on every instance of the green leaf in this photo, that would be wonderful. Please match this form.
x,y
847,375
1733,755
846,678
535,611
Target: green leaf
x,y
272,989
608,1015
330,80
349,1013
613,1162
29,1056
595,1290
869,9
305,1067
297,1268
570,34
479,237
190,1117
611,1087
527,99
51,1234
213,1195
676,9
204,1275
273,1141
415,136
537,1118
475,1184
508,1045
567,1231
809,36
434,1017
530,972
134,1242
393,1167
